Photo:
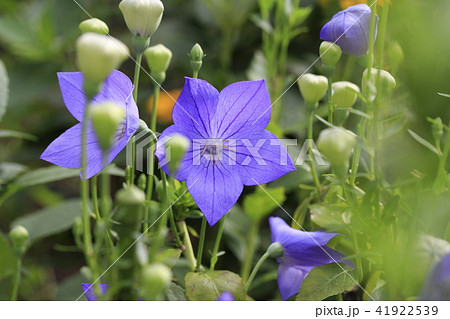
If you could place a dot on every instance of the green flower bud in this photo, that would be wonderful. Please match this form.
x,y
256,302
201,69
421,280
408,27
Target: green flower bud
x,y
312,87
106,118
142,182
98,55
155,279
196,56
142,16
130,196
344,94
437,129
19,237
158,58
330,53
337,145
395,55
93,25
176,147
387,81
275,250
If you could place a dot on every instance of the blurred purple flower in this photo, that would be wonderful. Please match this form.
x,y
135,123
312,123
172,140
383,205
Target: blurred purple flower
x,y
89,291
350,30
437,285
226,296
229,144
302,252
65,151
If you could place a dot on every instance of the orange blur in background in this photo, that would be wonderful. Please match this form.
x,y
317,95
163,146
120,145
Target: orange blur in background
x,y
166,103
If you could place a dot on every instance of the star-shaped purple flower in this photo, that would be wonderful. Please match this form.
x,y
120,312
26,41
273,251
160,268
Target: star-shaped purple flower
x,y
350,30
437,285
302,252
89,291
229,144
65,151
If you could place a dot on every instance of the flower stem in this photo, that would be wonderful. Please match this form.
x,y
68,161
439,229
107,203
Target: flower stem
x,y
214,257
155,107
201,244
94,195
173,226
250,252
17,278
255,270
330,100
310,150
188,251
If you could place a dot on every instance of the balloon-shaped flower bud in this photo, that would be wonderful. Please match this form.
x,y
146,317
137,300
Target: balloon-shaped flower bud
x,y
196,56
142,181
275,250
350,30
106,117
344,94
158,59
312,87
330,53
98,55
369,79
93,25
142,16
155,279
337,145
437,129
130,196
176,147
19,236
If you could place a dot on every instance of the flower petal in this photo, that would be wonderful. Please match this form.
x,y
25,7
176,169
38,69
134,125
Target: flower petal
x,y
117,88
243,106
290,279
215,189
260,158
196,107
226,296
89,290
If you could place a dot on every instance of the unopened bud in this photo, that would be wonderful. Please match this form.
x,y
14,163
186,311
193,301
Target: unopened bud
x,y
142,182
176,147
387,81
196,56
437,129
337,145
344,94
142,16
19,237
130,196
158,58
106,118
275,250
155,279
330,53
93,25
98,55
312,87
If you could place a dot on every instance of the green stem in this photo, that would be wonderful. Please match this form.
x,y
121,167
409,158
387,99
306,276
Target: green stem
x,y
17,278
155,108
330,100
255,270
250,251
201,244
94,195
188,251
310,150
173,226
195,74
214,257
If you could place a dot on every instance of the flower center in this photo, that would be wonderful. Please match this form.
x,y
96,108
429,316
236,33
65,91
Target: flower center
x,y
213,149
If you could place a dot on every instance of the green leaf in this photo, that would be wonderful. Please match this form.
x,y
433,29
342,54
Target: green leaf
x,y
262,202
424,142
444,95
51,220
45,175
210,285
299,15
8,261
325,281
9,171
329,218
4,89
373,283
175,293
261,23
17,134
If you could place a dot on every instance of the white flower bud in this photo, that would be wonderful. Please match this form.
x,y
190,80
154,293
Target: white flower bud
x,y
158,58
312,87
106,118
142,16
344,94
94,25
337,145
98,55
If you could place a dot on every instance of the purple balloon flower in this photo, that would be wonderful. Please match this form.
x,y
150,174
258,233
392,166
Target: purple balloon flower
x,y
302,252
350,30
65,151
229,144
226,296
437,285
89,291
